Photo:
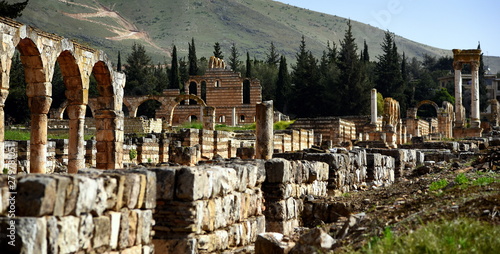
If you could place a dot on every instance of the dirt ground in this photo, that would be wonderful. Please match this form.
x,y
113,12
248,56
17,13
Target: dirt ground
x,y
409,202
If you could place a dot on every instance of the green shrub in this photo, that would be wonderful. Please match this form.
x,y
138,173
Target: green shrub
x,y
132,154
461,179
438,185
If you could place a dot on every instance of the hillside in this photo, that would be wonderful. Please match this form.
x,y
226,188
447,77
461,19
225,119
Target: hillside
x,y
114,26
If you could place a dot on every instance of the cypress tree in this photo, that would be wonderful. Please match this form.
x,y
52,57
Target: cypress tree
x,y
175,80
366,55
138,71
193,60
234,57
249,67
282,87
389,81
119,64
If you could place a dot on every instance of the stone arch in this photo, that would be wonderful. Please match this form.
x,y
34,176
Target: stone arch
x,y
149,98
182,97
428,102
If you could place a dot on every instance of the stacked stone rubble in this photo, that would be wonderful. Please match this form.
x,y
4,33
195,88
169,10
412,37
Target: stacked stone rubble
x,y
208,209
380,169
287,184
404,159
90,212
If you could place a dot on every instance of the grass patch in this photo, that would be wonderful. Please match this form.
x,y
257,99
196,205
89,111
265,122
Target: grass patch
x,y
482,181
17,135
26,134
283,125
456,236
438,185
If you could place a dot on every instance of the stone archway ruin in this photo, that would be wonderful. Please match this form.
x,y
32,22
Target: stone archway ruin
x,y
445,117
39,52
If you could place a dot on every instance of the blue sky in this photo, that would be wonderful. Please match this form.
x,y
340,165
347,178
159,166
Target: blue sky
x,y
439,23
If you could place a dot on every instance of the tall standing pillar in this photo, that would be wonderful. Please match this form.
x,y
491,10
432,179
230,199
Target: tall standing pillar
x,y
374,106
264,129
459,121
3,96
76,150
475,114
39,106
109,137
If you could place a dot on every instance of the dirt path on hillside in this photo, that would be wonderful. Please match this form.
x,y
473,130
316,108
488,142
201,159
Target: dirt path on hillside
x,y
124,28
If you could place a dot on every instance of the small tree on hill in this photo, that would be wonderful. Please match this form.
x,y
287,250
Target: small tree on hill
x,y
12,10
217,51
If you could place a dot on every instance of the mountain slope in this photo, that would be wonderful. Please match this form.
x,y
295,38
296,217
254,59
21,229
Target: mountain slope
x,y
251,24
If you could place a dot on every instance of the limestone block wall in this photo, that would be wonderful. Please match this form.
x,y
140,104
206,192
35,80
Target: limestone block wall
x,y
380,169
142,125
347,170
90,212
287,184
208,209
404,159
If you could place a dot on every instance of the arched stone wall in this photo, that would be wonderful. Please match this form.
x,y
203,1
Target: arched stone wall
x,y
39,52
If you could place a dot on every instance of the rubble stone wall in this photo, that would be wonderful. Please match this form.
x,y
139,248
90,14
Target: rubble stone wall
x,y
141,125
90,212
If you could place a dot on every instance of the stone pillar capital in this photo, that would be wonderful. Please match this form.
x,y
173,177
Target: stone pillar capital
x,y
457,65
474,66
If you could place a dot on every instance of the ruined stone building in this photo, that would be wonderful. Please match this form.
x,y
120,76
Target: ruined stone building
x,y
233,97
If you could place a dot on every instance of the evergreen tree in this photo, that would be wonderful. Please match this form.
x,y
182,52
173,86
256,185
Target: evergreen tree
x,y
307,94
249,67
16,105
12,10
282,87
138,71
389,81
175,80
483,96
217,51
193,60
119,64
161,77
366,55
183,72
273,57
353,85
234,57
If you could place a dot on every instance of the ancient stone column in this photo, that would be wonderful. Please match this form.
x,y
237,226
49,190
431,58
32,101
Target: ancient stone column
x,y
39,106
233,117
109,137
209,118
475,114
457,66
76,149
374,106
264,129
3,97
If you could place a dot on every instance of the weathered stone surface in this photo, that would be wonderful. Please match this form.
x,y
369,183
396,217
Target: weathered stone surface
x,y
23,235
62,188
277,171
191,184
271,243
123,238
131,190
115,229
69,234
149,199
36,195
102,231
165,179
315,240
87,195
86,231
